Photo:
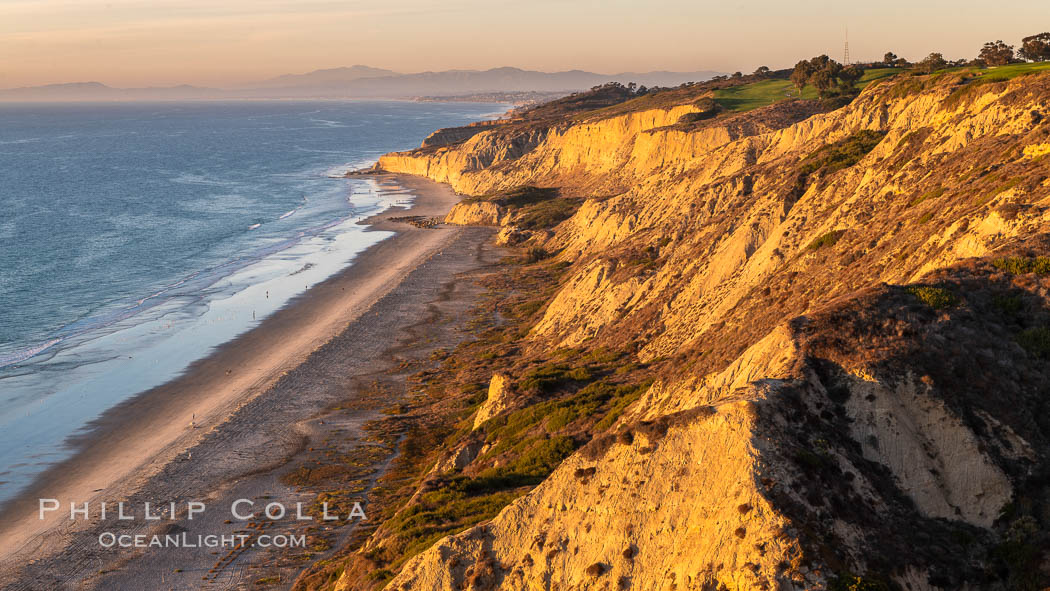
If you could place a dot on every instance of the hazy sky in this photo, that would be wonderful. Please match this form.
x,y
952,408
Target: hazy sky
x,y
217,42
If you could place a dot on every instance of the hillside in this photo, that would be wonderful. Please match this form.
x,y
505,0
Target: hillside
x,y
798,345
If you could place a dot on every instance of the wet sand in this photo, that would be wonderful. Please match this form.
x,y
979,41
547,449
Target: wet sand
x,y
235,417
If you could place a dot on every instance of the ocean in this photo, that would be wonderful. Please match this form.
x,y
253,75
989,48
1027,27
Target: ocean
x,y
137,237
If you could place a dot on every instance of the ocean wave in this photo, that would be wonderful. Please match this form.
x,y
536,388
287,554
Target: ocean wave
x,y
28,140
198,179
326,123
192,286
289,213
314,151
19,356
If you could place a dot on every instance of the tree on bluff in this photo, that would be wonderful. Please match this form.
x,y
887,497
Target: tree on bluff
x,y
932,63
1035,48
996,53
825,74
800,75
822,80
823,62
892,61
849,76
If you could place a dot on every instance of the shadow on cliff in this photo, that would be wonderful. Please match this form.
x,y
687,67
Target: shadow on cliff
x,y
974,339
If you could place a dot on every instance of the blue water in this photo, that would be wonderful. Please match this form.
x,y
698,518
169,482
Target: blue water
x,y
135,238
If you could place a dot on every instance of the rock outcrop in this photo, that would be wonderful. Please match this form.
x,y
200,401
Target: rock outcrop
x,y
498,400
476,213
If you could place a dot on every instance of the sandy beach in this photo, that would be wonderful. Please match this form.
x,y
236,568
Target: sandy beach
x,y
226,425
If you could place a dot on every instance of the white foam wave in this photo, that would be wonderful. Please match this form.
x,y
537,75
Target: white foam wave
x,y
19,356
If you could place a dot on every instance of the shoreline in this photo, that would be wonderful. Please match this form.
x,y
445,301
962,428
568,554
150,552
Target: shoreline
x,y
137,439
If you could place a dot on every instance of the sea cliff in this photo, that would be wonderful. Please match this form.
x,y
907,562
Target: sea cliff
x,y
833,324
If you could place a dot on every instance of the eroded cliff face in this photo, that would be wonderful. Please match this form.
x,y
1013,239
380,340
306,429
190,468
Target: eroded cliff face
x,y
455,135
850,312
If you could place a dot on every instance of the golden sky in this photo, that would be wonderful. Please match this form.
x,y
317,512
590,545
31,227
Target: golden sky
x,y
217,43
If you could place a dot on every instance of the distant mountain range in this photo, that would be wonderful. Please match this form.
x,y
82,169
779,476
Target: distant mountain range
x,y
361,82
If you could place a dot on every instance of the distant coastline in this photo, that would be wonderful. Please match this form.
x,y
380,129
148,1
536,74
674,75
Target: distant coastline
x,y
362,82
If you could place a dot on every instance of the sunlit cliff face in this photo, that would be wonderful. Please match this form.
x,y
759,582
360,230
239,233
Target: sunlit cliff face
x,y
818,330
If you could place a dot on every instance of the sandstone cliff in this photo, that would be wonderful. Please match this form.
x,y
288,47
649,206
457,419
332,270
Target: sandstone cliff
x,y
845,313
455,135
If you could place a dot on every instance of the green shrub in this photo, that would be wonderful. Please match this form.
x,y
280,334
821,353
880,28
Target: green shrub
x,y
624,396
926,217
828,239
843,153
906,87
1036,341
931,194
969,91
603,355
534,207
708,109
527,309
559,418
507,429
836,102
542,459
551,375
504,428
688,118
580,374
995,191
546,214
706,104
849,582
456,505
816,460
381,575
519,196
584,403
536,254
935,297
1009,305
1023,265
528,469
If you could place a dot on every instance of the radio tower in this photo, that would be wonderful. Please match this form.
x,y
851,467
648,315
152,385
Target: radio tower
x,y
845,51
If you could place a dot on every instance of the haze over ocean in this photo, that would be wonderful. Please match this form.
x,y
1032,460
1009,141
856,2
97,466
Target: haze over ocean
x,y
137,237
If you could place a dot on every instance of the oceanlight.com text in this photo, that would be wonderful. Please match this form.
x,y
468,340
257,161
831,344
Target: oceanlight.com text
x,y
184,540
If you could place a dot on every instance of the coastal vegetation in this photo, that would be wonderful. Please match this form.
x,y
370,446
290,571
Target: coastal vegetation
x,y
1020,265
1035,48
532,208
825,74
843,153
576,393
828,239
934,296
762,94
